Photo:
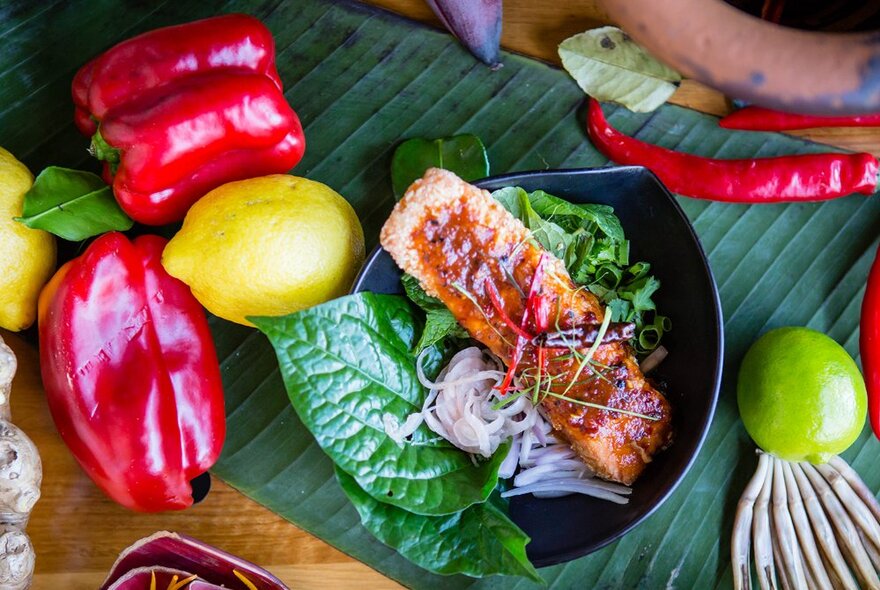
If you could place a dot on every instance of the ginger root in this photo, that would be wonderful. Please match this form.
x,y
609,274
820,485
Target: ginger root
x,y
21,473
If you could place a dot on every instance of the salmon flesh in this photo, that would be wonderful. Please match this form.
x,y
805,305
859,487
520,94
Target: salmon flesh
x,y
461,244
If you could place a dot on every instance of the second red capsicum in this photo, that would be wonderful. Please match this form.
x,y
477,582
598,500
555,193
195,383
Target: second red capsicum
x,y
178,111
131,374
169,147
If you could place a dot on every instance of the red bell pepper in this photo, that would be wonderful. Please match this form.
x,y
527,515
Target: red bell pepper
x,y
869,343
174,144
131,374
159,57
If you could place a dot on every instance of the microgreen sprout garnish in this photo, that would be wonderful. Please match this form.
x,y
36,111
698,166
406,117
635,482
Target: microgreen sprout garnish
x,y
599,406
606,321
508,274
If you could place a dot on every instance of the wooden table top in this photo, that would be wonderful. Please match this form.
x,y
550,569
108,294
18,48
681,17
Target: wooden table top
x,y
78,533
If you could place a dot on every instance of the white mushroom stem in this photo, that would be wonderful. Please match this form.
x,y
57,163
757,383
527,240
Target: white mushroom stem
x,y
790,558
824,532
815,565
847,533
813,527
871,550
742,524
858,511
761,536
858,486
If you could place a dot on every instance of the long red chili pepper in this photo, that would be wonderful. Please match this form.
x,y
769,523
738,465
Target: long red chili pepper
x,y
806,177
521,341
869,343
761,119
495,298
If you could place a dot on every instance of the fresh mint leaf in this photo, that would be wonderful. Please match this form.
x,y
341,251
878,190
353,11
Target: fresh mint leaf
x,y
478,541
72,204
418,296
572,217
550,235
347,364
464,155
440,324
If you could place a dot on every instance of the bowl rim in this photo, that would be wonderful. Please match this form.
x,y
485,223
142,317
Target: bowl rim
x,y
512,179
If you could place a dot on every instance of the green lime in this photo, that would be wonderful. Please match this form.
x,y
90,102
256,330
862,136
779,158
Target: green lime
x,y
800,395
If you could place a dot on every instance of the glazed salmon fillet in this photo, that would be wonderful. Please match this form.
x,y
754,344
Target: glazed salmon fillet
x,y
460,244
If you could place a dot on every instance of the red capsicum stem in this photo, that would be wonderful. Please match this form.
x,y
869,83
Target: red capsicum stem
x,y
806,177
179,142
869,343
761,119
131,374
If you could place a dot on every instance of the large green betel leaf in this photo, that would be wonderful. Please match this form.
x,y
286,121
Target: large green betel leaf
x,y
362,80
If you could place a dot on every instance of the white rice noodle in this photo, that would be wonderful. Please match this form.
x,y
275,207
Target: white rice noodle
x,y
460,408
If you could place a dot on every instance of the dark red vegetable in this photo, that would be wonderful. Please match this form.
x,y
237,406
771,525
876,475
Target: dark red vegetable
x,y
869,343
761,119
805,177
131,374
175,144
168,554
159,57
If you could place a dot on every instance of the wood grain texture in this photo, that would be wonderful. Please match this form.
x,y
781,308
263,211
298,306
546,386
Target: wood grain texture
x,y
77,532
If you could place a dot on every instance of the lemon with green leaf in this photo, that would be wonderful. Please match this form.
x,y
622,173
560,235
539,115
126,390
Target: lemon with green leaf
x,y
801,396
27,256
267,246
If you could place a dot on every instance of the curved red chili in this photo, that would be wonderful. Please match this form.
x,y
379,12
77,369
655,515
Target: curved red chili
x,y
804,177
869,343
761,119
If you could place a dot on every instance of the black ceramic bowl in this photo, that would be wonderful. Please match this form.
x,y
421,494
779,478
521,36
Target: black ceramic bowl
x,y
566,528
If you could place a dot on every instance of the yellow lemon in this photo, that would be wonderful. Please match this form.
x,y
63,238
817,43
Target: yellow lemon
x,y
267,246
27,256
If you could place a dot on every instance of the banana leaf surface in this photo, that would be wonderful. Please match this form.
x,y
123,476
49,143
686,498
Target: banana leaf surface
x,y
362,80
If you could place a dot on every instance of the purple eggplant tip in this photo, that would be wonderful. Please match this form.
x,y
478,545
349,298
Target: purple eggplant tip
x,y
476,23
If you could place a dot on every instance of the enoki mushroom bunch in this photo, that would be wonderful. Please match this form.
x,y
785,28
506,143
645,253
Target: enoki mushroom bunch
x,y
809,526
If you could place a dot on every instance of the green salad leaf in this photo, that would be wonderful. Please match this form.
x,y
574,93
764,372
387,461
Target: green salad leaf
x,y
463,154
348,368
591,242
478,541
72,204
609,66
440,324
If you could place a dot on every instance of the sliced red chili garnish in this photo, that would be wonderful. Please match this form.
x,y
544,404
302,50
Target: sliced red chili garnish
x,y
495,298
